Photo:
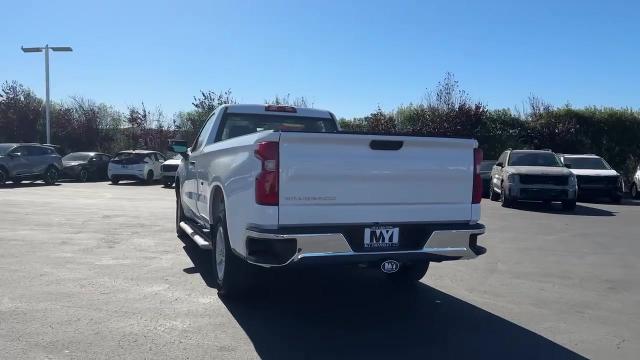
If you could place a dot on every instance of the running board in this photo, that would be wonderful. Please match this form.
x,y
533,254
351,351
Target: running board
x,y
197,237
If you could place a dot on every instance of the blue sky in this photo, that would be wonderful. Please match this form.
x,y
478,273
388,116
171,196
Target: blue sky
x,y
347,56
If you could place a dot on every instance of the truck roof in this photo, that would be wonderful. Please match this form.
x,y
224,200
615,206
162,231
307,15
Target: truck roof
x,y
581,155
262,109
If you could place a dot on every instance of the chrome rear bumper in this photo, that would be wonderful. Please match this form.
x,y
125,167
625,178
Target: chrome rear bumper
x,y
442,245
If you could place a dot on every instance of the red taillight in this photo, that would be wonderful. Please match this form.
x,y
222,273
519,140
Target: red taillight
x,y
267,179
280,108
477,180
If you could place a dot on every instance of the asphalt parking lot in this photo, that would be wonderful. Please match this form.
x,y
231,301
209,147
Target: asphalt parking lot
x,y
95,271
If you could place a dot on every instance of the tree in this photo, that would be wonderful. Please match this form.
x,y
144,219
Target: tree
x,y
299,101
20,113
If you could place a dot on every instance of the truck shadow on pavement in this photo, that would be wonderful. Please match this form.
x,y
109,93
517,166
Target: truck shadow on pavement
x,y
556,209
355,314
10,185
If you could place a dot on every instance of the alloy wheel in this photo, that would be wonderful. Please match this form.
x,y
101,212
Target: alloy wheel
x,y
220,253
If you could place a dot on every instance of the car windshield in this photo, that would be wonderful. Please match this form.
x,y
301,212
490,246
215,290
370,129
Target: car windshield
x,y
77,157
592,163
534,159
487,165
5,148
129,158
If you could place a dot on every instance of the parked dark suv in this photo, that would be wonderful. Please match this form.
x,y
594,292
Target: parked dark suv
x,y
20,162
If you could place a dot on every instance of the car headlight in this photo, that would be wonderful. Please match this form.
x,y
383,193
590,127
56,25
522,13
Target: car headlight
x,y
512,178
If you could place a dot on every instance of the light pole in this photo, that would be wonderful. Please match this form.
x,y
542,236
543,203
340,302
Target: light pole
x,y
46,49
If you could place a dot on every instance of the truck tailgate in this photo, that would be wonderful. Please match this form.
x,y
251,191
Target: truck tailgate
x,y
329,178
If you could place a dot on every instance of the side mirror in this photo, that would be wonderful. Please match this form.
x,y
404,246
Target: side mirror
x,y
178,146
499,164
568,166
93,160
15,154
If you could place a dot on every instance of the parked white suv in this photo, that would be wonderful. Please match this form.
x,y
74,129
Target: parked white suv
x,y
595,176
169,169
268,186
635,184
532,175
136,165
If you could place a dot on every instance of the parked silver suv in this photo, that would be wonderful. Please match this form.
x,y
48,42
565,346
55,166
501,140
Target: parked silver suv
x,y
20,162
534,175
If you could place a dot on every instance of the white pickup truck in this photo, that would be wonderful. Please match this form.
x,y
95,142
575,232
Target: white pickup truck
x,y
266,186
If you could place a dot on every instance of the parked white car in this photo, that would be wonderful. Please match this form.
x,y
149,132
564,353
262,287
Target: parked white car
x,y
635,184
136,165
595,176
279,186
169,169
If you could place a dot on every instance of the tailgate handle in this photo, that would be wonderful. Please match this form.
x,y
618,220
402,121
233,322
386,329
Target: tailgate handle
x,y
386,144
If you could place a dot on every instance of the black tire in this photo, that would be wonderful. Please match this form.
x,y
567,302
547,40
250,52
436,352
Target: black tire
x,y
493,196
50,175
4,176
149,178
16,181
616,198
83,176
167,182
235,275
179,217
115,180
409,274
635,193
569,205
504,198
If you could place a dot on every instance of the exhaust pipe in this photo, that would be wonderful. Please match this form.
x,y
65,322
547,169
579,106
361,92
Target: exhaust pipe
x,y
199,240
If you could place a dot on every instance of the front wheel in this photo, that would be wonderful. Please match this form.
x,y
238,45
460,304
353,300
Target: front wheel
x,y
634,191
493,195
167,182
504,198
409,274
179,216
115,180
616,198
149,178
233,274
50,175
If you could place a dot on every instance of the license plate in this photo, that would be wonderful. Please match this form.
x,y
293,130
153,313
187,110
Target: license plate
x,y
381,237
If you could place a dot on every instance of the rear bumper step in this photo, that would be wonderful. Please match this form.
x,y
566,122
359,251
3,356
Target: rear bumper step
x,y
271,249
196,235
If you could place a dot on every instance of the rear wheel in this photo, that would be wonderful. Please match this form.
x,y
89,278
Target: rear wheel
x,y
3,176
149,178
233,274
634,191
50,175
569,205
16,181
409,274
115,180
